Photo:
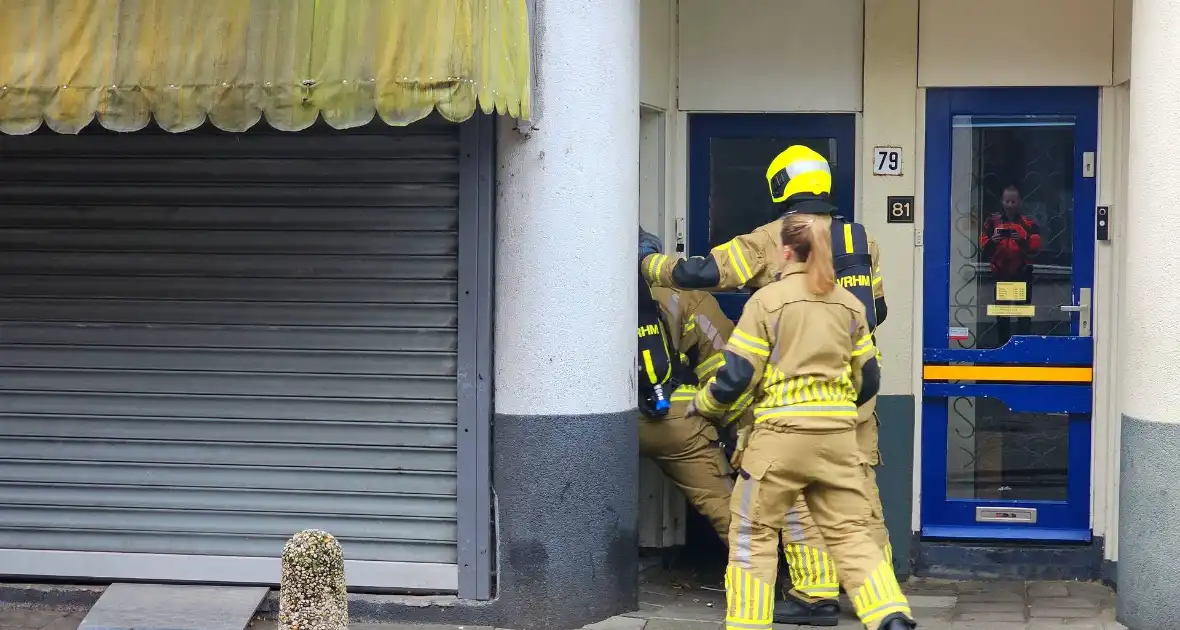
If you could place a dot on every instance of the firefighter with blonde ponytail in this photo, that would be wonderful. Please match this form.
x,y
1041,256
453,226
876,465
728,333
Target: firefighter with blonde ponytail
x,y
803,350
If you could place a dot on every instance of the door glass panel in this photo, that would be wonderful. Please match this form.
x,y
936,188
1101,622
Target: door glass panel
x,y
739,199
995,453
1011,240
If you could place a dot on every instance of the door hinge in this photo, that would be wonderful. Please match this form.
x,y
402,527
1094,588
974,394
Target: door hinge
x,y
917,237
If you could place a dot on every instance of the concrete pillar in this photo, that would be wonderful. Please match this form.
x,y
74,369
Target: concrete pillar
x,y
1149,497
890,119
565,458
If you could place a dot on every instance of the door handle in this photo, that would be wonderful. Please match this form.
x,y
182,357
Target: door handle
x,y
1082,308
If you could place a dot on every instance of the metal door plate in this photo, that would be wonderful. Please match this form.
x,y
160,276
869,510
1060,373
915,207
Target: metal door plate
x,y
1011,515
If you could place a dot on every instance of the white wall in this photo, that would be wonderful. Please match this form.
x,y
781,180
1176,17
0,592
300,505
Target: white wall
x,y
770,55
890,119
1016,42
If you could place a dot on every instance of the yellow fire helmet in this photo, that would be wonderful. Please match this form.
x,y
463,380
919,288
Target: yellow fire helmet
x,y
798,170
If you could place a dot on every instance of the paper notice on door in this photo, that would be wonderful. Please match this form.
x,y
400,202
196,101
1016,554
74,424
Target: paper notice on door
x,y
1011,291
958,333
1011,310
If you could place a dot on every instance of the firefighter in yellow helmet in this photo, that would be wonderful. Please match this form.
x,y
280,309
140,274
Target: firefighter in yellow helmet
x,y
799,182
803,349
681,338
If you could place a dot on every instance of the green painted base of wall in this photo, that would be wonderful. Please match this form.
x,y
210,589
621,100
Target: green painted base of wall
x,y
895,475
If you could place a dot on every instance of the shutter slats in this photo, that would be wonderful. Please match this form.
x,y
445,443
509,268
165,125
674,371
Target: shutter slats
x,y
211,341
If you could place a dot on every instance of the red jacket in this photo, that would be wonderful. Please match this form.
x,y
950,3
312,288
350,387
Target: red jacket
x,y
1010,244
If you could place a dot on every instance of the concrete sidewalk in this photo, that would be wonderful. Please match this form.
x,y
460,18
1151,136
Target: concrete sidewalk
x,y
938,605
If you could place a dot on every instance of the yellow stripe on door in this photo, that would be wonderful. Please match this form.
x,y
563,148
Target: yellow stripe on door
x,y
1007,373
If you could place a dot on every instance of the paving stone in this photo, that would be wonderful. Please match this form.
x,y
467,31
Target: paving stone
x,y
645,610
1048,589
1064,602
974,607
992,587
1066,624
688,613
618,623
680,624
69,622
702,597
1090,590
1114,625
987,625
174,607
1059,612
932,601
924,586
924,615
657,598
991,596
1011,616
659,589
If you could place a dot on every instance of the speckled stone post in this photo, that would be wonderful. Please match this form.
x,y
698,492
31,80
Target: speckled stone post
x,y
312,592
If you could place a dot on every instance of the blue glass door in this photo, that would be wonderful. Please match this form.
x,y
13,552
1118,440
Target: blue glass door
x,y
727,159
1008,303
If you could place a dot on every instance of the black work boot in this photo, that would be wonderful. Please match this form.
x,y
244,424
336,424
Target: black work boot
x,y
898,621
792,610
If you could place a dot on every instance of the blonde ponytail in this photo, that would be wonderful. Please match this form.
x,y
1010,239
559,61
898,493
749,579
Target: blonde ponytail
x,y
821,275
811,240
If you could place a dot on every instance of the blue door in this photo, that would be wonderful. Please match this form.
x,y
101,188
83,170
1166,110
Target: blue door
x,y
1008,353
728,155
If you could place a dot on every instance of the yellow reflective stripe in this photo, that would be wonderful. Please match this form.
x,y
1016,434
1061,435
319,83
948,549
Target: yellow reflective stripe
x,y
738,260
848,247
865,344
749,343
1007,373
739,406
812,570
803,411
807,390
706,403
749,601
655,266
684,393
880,596
710,365
690,325
649,366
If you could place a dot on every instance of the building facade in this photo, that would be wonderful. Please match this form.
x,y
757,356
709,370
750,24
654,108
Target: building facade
x,y
417,333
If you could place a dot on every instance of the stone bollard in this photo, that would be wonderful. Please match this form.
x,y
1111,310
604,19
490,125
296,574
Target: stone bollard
x,y
312,592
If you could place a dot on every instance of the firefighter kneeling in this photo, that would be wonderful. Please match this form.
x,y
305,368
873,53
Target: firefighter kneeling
x,y
803,349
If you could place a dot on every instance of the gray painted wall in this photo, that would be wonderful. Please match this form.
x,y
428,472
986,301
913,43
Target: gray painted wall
x,y
1149,525
895,475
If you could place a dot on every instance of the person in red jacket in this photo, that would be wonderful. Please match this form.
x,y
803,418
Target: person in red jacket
x,y
1009,241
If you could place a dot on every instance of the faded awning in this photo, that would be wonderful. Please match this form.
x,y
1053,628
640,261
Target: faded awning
x,y
233,62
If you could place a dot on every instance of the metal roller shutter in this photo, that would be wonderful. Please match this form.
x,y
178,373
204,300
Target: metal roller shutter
x,y
210,341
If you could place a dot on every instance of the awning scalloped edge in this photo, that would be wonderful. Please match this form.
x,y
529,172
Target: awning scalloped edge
x,y
235,63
